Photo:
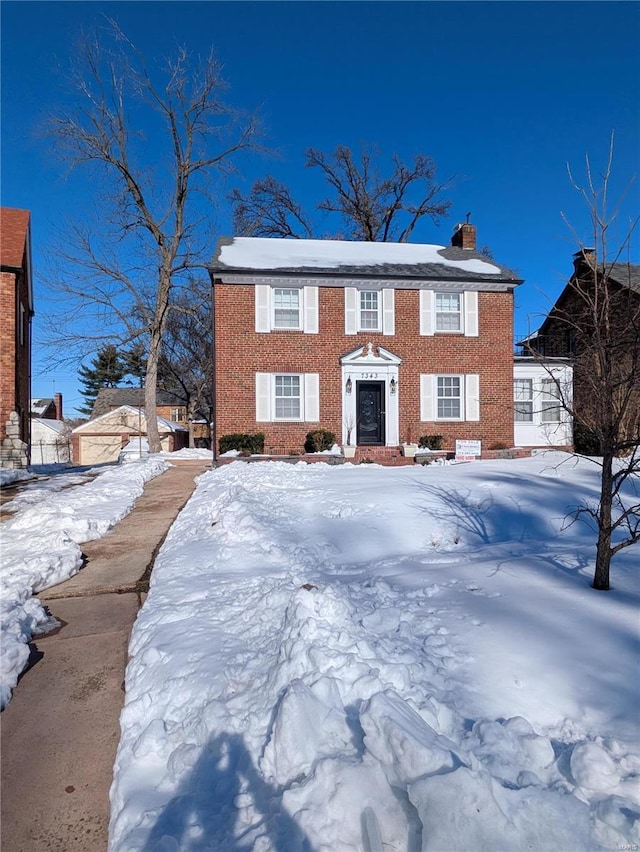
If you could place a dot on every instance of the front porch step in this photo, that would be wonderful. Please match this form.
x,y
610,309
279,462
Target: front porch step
x,y
381,455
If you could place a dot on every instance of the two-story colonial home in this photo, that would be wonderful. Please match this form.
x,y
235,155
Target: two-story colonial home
x,y
380,343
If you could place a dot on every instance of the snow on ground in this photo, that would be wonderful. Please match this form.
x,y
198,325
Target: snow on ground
x,y
40,546
339,658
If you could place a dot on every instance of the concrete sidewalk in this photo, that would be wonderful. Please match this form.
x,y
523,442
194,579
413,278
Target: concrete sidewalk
x,y
60,730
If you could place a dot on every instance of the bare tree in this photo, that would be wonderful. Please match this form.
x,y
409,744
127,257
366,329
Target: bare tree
x,y
596,320
186,364
372,208
152,139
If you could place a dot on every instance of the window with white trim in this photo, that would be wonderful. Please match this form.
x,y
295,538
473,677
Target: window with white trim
x,y
369,310
286,308
523,400
288,404
550,405
282,397
448,312
177,415
449,397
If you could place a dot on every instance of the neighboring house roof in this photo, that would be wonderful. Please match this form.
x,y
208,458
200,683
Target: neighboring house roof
x,y
163,424
110,398
332,260
58,426
38,407
626,275
15,243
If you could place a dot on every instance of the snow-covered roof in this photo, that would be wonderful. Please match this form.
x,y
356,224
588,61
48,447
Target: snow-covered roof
x,y
163,424
39,406
347,258
55,425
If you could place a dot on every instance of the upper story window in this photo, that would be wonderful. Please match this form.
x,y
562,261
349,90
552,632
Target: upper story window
x,y
523,400
177,415
369,310
448,312
286,308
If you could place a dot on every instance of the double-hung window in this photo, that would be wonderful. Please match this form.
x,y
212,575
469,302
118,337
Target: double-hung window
x,y
369,310
448,312
523,400
287,398
550,402
286,308
449,397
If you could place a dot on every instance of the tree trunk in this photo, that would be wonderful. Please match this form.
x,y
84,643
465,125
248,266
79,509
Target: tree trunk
x,y
150,394
603,550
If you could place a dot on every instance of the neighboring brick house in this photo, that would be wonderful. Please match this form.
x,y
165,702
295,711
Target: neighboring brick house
x,y
568,331
47,408
16,311
389,341
168,406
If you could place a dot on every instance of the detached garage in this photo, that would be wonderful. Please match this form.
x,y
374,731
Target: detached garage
x,y
101,440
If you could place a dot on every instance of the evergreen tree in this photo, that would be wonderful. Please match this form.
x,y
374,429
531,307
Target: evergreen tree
x,y
106,371
134,361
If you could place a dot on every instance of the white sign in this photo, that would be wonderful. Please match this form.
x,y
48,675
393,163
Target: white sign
x,y
468,449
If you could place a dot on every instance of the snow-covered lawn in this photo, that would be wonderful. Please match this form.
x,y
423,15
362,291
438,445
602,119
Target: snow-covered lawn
x,y
40,546
366,658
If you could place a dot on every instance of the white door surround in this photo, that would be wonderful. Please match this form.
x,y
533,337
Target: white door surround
x,y
371,363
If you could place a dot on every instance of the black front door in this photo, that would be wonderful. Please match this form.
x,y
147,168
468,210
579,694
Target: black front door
x,y
370,413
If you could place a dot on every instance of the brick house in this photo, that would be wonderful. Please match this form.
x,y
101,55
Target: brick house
x,y
16,311
385,341
567,333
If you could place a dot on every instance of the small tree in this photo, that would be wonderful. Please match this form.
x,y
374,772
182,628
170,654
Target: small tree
x,y
597,321
371,207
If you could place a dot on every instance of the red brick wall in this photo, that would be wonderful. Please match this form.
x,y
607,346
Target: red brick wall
x,y
241,352
14,358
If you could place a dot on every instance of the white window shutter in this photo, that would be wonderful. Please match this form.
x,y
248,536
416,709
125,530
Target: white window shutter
x,y
312,397
427,312
472,397
427,398
263,307
350,310
471,314
263,397
310,297
388,311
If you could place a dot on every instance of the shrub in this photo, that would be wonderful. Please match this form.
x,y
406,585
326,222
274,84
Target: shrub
x,y
243,441
431,442
584,441
319,440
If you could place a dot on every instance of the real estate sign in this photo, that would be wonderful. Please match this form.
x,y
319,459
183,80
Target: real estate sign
x,y
468,450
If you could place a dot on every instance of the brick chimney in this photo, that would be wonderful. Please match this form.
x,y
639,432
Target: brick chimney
x,y
464,236
57,401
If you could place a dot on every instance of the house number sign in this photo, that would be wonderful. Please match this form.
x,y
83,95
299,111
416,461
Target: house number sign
x,y
369,375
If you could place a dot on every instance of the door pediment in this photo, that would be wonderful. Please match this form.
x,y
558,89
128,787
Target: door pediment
x,y
370,354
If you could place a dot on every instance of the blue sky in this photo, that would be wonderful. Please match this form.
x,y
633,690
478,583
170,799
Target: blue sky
x,y
501,94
